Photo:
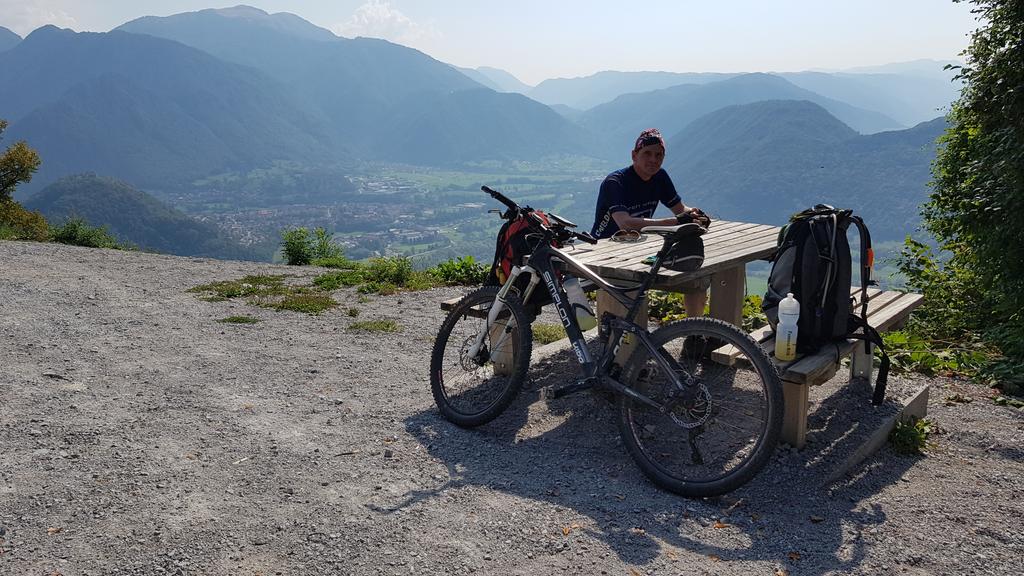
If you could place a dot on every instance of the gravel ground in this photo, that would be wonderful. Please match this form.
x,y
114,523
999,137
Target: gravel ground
x,y
141,436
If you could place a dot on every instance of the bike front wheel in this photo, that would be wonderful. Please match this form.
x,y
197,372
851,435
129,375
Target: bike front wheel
x,y
472,388
718,427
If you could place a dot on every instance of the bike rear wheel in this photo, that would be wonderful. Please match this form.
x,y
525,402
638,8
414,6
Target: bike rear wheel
x,y
473,390
715,434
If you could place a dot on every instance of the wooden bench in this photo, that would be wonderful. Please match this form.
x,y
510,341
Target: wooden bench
x,y
887,310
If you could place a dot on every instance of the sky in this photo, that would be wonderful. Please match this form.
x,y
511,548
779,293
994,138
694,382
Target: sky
x,y
539,39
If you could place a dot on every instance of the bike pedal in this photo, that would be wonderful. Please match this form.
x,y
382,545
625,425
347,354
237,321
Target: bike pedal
x,y
580,386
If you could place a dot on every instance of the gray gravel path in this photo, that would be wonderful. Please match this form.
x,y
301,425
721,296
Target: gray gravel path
x,y
141,436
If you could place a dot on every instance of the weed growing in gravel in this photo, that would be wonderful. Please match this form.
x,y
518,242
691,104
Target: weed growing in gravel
x,y
310,303
268,292
334,280
911,436
376,326
547,333
353,312
379,276
239,320
247,286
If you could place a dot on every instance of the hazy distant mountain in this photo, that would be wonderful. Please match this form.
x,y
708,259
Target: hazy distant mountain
x,y
496,79
134,216
922,68
386,101
907,98
589,91
572,114
671,109
8,39
354,82
762,162
472,125
146,109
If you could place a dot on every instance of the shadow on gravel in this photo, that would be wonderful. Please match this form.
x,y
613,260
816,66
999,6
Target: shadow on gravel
x,y
567,453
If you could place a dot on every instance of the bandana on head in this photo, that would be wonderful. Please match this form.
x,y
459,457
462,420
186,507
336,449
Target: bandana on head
x,y
648,137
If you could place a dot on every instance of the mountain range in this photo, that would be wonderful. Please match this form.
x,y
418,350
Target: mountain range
x,y
764,161
178,105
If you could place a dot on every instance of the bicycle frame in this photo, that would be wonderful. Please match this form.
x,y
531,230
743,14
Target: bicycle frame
x,y
541,265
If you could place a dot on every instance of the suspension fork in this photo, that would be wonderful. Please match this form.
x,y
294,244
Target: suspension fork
x,y
499,306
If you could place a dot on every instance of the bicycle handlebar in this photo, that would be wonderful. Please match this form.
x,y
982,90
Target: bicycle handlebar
x,y
500,198
560,230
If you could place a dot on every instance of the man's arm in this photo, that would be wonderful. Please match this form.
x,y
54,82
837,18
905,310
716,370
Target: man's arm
x,y
627,222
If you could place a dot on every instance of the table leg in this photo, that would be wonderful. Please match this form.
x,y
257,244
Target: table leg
x,y
728,288
794,419
605,303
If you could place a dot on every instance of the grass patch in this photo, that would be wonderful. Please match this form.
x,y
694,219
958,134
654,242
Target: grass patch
x,y
547,333
268,292
334,280
911,436
376,326
310,303
239,320
244,287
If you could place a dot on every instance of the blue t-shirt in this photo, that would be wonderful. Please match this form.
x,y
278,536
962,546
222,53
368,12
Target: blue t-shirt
x,y
624,191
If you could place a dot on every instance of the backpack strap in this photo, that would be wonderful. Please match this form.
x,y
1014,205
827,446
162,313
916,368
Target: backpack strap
x,y
499,250
867,260
871,336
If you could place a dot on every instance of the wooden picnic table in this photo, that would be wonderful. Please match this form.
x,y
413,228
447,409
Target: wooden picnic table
x,y
728,246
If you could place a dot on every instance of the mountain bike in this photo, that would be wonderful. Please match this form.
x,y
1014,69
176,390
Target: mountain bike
x,y
696,423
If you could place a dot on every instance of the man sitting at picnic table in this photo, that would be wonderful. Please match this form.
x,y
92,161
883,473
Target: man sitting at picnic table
x,y
629,197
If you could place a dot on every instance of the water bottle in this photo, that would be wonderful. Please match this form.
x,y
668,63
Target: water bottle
x,y
785,331
579,304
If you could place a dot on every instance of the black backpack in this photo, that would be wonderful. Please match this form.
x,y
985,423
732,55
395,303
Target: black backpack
x,y
813,262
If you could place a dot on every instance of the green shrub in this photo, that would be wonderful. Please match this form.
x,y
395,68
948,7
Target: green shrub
x,y
334,280
911,436
909,352
77,232
461,271
297,246
324,247
16,223
394,270
753,316
300,248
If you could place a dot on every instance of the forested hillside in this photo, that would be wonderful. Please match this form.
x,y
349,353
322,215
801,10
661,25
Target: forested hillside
x,y
137,218
764,161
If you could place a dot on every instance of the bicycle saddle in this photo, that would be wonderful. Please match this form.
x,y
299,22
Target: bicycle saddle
x,y
677,231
